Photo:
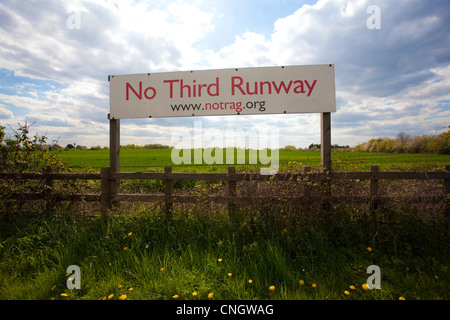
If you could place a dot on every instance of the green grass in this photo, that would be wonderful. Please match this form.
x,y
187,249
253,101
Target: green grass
x,y
328,250
133,160
269,245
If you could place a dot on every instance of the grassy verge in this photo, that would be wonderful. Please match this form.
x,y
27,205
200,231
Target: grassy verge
x,y
143,254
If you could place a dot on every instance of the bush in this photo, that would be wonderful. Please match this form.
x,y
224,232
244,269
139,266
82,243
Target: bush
x,y
24,154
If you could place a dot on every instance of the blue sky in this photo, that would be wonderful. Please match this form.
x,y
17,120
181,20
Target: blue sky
x,y
56,57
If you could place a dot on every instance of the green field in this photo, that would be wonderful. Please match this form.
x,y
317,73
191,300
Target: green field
x,y
133,160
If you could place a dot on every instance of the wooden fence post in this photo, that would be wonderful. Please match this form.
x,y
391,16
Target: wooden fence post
x,y
105,193
373,189
306,183
48,185
231,190
168,191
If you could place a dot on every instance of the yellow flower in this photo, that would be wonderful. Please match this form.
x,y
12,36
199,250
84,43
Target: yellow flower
x,y
230,274
63,294
401,298
175,296
194,294
53,288
131,289
365,286
347,293
210,296
162,269
301,282
120,286
369,249
123,297
110,296
352,287
272,288
250,281
314,285
104,298
220,260
125,248
130,234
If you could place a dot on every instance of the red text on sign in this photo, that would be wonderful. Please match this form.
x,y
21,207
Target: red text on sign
x,y
192,90
149,93
269,87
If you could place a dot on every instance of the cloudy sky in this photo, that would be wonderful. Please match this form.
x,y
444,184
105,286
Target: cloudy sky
x,y
392,70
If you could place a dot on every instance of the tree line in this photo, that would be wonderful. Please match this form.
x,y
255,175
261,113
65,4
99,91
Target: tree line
x,y
403,143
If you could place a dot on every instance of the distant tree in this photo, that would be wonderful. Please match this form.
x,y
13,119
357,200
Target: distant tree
x,y
69,146
289,148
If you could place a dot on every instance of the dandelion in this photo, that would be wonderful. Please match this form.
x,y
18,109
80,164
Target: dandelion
x,y
365,286
210,295
119,286
123,297
53,288
346,293
220,260
175,297
194,294
162,269
130,234
125,248
104,298
272,288
369,249
352,287
250,281
401,298
63,294
110,296
131,289
230,274
314,285
301,282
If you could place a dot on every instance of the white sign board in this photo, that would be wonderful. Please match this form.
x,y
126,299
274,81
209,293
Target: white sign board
x,y
267,90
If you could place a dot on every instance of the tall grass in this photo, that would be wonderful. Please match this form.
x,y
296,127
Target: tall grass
x,y
195,250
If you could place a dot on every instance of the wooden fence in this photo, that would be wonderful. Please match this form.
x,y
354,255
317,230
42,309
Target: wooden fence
x,y
110,185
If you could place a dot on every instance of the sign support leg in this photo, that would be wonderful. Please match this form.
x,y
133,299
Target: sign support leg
x,y
325,137
114,156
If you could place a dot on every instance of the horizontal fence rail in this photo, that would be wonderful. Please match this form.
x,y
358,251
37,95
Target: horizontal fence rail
x,y
110,187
